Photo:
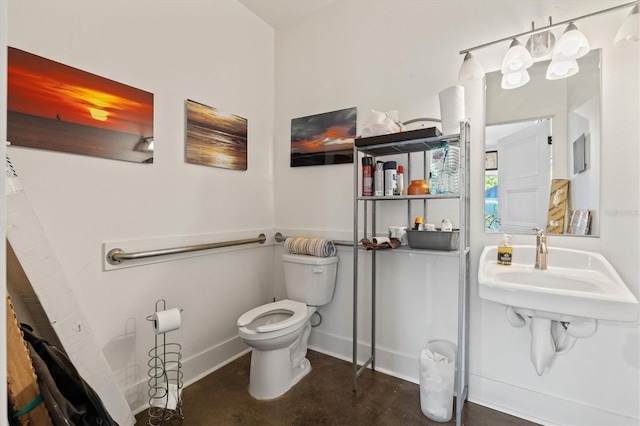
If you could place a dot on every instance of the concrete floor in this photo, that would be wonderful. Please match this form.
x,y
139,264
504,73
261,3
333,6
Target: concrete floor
x,y
324,397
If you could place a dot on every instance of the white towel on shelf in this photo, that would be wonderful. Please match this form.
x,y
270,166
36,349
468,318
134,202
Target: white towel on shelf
x,y
319,247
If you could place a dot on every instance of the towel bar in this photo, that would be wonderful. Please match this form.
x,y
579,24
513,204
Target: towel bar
x,y
280,239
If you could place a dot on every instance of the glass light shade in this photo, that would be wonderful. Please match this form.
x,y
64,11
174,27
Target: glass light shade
x,y
573,44
517,58
516,79
628,34
561,69
470,70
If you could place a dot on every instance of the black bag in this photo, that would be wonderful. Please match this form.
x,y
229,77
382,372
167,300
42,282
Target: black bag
x,y
69,399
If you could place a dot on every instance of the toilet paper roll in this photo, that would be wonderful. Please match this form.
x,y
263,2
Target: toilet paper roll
x,y
451,109
168,396
165,321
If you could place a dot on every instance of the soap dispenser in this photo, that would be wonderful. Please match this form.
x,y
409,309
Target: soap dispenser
x,y
505,250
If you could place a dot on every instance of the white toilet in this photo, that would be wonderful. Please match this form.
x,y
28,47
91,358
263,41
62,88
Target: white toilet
x,y
278,331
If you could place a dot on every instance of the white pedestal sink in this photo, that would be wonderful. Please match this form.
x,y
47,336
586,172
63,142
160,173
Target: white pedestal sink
x,y
562,302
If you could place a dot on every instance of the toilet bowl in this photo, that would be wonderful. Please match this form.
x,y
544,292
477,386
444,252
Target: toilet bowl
x,y
278,332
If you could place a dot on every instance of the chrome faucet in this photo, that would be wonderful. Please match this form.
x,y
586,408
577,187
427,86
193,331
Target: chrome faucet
x,y
541,249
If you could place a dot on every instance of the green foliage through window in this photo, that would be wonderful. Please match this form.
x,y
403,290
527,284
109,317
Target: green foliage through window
x,y
490,181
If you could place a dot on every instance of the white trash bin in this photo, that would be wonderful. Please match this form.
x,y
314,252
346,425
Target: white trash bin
x,y
437,362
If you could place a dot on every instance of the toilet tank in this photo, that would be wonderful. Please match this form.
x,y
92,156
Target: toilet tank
x,y
309,279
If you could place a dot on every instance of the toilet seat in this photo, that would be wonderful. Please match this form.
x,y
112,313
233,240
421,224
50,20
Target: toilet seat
x,y
297,310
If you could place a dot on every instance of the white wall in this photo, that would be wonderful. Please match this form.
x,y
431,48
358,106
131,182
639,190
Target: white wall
x,y
388,55
217,53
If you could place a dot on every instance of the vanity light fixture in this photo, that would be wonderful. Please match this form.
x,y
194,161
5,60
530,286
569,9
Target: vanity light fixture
x,y
571,45
628,34
471,70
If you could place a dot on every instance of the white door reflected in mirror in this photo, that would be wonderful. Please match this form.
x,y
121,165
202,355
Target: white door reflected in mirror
x,y
524,178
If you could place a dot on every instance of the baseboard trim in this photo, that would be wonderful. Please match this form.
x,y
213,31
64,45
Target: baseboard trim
x,y
538,407
388,362
199,366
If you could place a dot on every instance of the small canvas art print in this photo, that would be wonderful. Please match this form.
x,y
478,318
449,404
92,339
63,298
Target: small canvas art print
x,y
215,138
323,138
56,107
579,154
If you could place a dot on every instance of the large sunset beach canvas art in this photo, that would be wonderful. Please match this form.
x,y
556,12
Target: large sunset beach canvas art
x,y
215,138
325,138
56,107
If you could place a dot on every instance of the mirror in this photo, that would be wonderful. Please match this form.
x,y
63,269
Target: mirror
x,y
542,152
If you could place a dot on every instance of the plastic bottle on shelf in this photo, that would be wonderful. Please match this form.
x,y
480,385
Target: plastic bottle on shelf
x,y
444,169
400,181
390,178
367,176
439,181
452,163
378,179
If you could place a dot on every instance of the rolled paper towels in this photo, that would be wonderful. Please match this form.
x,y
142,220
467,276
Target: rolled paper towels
x,y
165,321
381,240
452,109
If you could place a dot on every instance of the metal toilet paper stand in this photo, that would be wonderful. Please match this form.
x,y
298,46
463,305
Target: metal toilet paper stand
x,y
165,378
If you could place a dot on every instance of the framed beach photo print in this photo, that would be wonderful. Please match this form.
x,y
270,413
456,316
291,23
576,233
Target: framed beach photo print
x,y
325,138
215,138
56,107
